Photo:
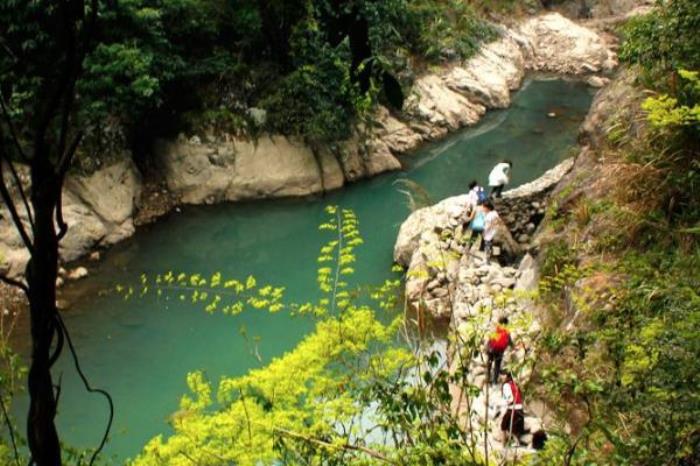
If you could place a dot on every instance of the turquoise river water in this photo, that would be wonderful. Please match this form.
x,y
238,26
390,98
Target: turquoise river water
x,y
141,350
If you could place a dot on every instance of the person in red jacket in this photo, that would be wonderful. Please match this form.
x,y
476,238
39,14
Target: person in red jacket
x,y
513,422
497,344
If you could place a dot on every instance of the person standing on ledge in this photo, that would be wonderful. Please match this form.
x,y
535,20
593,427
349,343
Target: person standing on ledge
x,y
499,177
476,195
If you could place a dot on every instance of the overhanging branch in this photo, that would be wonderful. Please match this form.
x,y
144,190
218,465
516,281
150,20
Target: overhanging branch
x,y
20,188
5,194
11,129
13,282
345,446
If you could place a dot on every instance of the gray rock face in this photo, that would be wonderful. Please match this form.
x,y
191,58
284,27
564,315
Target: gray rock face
x,y
562,46
443,101
111,194
238,169
528,274
98,210
518,208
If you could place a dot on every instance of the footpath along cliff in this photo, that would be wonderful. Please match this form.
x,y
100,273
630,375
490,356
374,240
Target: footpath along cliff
x,y
450,280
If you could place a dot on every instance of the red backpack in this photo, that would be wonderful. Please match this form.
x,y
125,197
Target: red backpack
x,y
499,341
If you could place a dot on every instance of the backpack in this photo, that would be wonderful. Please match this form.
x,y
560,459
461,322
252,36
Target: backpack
x,y
481,196
479,221
499,341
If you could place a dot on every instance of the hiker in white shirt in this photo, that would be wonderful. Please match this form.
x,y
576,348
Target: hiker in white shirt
x,y
499,177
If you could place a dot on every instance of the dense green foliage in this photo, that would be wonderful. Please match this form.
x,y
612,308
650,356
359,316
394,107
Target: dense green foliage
x,y
314,66
666,39
629,370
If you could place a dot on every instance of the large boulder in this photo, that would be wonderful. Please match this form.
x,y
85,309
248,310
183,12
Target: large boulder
x,y
98,209
111,194
562,46
449,212
240,169
496,70
443,109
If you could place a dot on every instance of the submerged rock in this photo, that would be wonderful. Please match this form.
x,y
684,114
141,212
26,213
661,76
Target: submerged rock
x,y
77,273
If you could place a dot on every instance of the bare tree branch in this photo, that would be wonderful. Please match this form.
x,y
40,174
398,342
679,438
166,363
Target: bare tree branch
x,y
5,194
22,194
67,156
88,387
59,348
11,128
63,166
73,61
346,446
13,282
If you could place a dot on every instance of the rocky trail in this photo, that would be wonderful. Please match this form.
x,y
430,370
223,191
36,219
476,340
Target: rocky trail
x,y
448,278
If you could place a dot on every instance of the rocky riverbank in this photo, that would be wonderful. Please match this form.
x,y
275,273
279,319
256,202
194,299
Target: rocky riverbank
x,y
101,208
433,245
450,279
210,169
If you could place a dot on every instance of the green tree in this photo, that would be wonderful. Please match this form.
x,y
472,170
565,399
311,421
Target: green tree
x,y
44,45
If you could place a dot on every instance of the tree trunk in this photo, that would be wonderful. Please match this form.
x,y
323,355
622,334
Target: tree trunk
x,y
41,280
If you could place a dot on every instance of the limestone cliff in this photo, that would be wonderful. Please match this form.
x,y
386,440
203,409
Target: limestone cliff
x,y
442,101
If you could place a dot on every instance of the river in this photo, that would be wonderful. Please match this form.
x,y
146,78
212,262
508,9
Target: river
x,y
141,350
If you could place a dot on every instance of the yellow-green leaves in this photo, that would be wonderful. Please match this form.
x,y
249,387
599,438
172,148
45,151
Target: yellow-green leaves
x,y
309,391
664,111
201,390
335,258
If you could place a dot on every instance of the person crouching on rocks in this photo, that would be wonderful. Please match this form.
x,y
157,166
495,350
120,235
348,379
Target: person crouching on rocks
x,y
497,344
499,177
513,422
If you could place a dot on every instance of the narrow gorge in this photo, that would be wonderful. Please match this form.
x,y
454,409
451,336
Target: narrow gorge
x,y
239,232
